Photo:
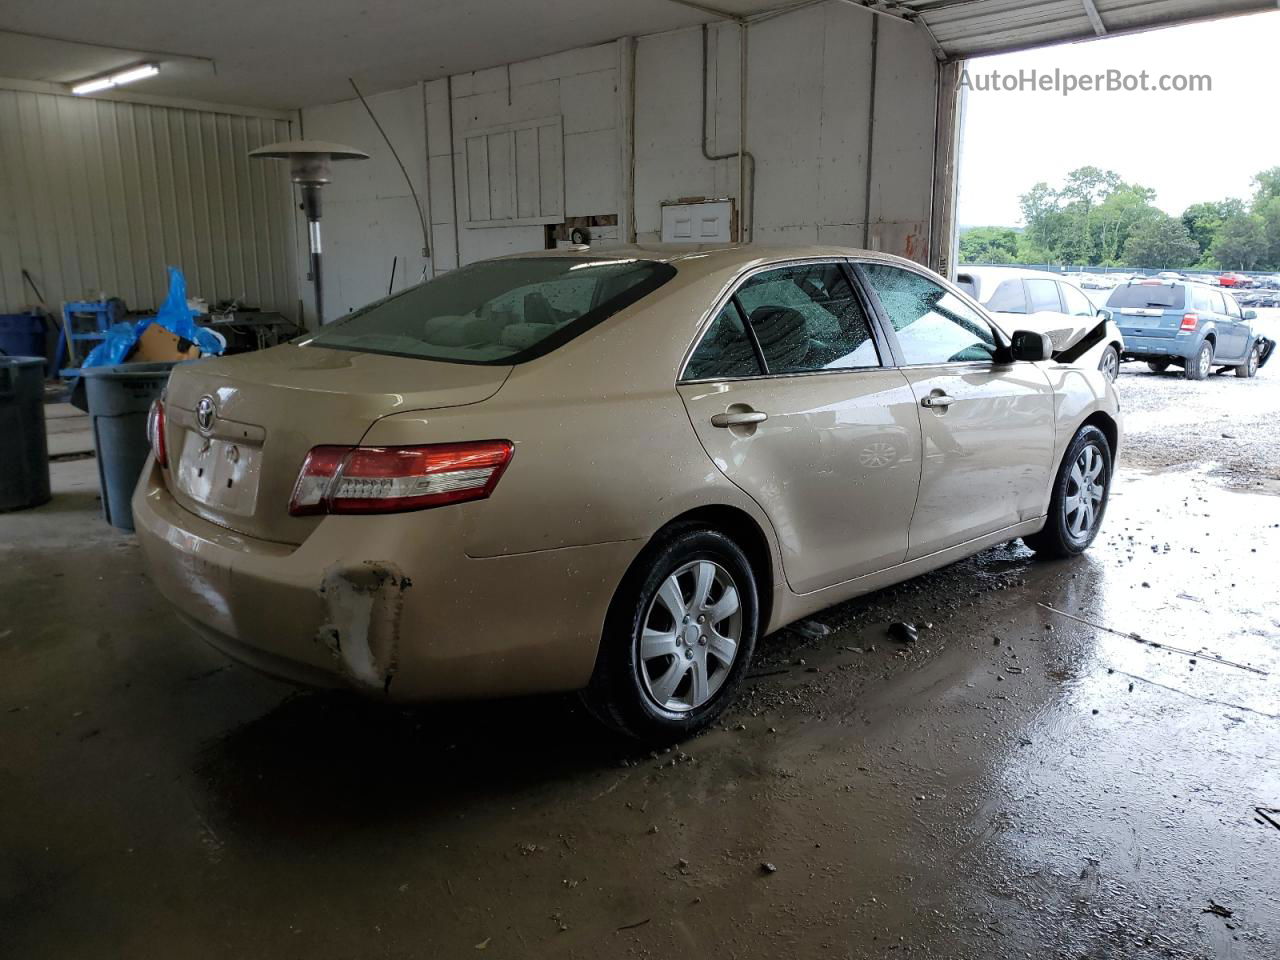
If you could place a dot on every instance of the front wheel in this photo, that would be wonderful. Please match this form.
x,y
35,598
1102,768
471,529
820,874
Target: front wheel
x,y
1250,367
1109,364
1079,497
1198,367
678,639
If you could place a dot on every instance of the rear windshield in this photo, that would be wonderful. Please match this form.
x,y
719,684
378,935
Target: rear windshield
x,y
497,311
1155,296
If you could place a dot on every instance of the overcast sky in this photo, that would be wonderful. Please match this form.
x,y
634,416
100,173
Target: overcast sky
x,y
1188,147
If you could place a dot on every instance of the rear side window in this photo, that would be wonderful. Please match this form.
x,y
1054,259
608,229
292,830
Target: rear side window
x,y
497,311
933,324
1202,299
807,318
1233,306
1008,298
966,283
725,351
1217,302
1158,296
1043,296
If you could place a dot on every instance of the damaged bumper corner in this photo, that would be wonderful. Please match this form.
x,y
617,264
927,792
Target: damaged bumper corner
x,y
364,603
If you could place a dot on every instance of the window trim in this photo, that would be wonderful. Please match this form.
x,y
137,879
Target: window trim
x,y
1001,338
729,295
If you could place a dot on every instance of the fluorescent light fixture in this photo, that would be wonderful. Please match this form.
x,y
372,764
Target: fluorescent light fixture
x,y
116,79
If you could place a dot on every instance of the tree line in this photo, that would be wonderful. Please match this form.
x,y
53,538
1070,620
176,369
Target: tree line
x,y
1097,219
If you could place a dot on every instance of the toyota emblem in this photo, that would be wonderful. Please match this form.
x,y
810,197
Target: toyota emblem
x,y
205,413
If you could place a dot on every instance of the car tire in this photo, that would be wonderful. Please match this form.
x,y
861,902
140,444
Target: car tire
x,y
1157,366
1199,366
1249,368
646,642
1068,531
1109,363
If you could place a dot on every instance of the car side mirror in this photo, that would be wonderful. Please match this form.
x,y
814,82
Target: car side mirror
x,y
1251,314
1105,314
1028,345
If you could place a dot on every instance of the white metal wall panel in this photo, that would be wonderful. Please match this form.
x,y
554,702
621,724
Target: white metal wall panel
x,y
98,196
515,174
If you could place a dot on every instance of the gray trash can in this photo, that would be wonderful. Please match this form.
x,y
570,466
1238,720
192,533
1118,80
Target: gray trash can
x,y
24,451
119,398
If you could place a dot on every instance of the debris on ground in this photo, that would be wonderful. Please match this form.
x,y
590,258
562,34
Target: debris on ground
x,y
1270,814
1218,910
484,944
767,867
903,632
811,629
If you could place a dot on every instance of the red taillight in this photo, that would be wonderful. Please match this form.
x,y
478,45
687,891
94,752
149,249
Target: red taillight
x,y
392,479
1190,321
155,432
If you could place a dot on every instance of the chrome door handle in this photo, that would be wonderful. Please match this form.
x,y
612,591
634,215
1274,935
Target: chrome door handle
x,y
938,400
739,419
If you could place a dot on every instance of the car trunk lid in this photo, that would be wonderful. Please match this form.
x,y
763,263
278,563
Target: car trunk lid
x,y
239,428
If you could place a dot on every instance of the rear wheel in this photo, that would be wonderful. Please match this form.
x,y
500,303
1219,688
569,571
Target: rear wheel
x,y
1109,364
1250,367
1198,367
1157,366
678,639
1079,497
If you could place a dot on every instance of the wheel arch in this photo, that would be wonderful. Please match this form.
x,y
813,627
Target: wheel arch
x,y
734,523
1110,429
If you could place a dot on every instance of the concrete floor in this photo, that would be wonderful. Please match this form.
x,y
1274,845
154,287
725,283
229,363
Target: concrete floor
x,y
1016,784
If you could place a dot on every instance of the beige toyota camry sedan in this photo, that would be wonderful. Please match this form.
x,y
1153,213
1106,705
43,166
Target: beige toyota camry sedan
x,y
608,472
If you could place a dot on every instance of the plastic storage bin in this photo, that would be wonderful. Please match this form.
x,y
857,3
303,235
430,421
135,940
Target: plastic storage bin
x,y
119,398
24,451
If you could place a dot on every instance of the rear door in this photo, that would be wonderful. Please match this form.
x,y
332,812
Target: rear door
x,y
788,393
987,427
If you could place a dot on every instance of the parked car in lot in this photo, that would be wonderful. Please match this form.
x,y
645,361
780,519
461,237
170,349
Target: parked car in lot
x,y
608,472
1192,325
1048,303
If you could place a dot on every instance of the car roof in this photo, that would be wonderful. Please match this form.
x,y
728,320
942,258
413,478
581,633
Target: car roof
x,y
1012,273
708,259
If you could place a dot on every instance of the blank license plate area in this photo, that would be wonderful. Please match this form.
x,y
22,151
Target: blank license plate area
x,y
219,473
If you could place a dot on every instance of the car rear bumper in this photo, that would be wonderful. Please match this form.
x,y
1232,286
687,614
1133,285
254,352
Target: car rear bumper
x,y
363,604
1175,347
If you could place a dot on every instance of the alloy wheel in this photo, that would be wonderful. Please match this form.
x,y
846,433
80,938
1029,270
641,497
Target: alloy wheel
x,y
1205,361
1110,366
690,636
1086,489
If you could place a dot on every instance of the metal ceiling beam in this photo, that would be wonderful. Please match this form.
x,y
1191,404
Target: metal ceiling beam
x,y
1095,18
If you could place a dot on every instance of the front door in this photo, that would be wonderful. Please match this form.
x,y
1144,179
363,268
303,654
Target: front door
x,y
987,426
788,395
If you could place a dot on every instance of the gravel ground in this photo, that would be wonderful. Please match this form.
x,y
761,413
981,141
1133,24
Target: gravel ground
x,y
1224,422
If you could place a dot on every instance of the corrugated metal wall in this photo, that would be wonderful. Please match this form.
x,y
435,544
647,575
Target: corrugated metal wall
x,y
97,196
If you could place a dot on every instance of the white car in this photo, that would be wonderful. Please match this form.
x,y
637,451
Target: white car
x,y
1050,304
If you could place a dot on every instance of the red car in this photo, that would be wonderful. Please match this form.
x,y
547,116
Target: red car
x,y
1231,280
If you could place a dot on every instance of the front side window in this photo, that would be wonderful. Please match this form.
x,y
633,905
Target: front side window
x,y
807,318
496,311
1043,296
1077,304
1233,307
933,324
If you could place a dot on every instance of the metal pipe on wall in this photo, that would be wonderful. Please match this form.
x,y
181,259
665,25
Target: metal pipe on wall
x,y
871,132
745,200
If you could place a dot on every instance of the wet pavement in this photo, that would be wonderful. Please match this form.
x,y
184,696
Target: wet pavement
x,y
1016,783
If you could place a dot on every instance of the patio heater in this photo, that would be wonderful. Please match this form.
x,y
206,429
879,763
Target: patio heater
x,y
310,163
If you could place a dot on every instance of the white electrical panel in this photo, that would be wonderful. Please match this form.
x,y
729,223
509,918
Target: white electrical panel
x,y
701,221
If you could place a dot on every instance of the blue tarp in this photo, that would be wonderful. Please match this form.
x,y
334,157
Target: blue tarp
x,y
173,315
